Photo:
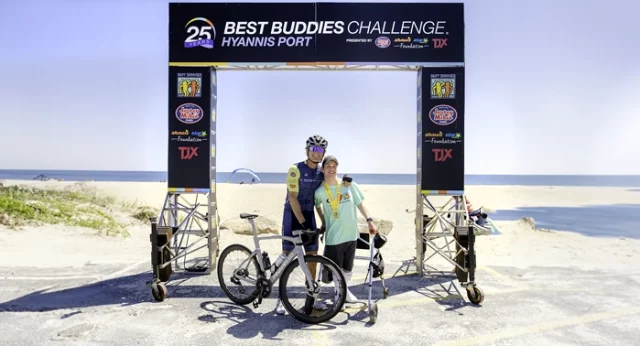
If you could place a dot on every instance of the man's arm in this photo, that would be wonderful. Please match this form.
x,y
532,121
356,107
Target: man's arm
x,y
293,186
363,210
317,197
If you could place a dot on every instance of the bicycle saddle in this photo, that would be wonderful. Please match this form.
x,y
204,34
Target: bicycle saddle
x,y
248,216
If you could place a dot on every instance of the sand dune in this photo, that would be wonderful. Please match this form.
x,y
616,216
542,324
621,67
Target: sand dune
x,y
518,245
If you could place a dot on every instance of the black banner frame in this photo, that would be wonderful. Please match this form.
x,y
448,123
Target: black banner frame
x,y
440,107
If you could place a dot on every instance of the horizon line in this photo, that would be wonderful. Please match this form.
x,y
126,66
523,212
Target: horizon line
x,y
284,172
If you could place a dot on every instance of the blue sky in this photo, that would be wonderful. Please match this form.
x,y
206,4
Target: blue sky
x,y
552,88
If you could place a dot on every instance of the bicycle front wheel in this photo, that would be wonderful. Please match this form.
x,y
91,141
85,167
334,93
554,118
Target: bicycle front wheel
x,y
239,292
294,288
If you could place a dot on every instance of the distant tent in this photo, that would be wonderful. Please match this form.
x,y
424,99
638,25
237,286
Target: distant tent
x,y
243,176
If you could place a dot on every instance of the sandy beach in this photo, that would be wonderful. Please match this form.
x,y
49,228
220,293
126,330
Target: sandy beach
x,y
519,245
531,252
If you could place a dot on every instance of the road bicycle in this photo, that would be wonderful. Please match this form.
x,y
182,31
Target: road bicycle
x,y
260,284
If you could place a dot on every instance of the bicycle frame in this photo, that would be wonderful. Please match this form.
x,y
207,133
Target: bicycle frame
x,y
298,251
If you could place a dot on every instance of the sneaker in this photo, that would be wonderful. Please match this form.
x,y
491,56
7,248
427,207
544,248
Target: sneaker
x,y
280,308
351,298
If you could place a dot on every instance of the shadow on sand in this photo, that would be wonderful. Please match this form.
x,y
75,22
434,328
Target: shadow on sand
x,y
133,290
615,220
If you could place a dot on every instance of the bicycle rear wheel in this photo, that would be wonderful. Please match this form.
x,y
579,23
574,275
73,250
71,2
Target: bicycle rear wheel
x,y
337,290
252,266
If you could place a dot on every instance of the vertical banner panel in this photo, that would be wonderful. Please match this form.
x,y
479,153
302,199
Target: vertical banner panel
x,y
189,129
442,169
213,201
419,205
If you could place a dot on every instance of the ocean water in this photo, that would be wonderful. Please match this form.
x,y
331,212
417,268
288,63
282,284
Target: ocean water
x,y
618,220
631,181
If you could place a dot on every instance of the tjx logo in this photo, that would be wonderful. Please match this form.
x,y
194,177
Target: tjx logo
x,y
441,154
186,153
439,42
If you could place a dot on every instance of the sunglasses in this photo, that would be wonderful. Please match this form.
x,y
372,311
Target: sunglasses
x,y
317,149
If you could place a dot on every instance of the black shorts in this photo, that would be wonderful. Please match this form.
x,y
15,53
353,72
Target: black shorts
x,y
290,223
343,254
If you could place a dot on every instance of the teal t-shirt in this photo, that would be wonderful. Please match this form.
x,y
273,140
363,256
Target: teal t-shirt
x,y
345,227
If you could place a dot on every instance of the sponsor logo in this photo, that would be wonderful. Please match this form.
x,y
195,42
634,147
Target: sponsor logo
x,y
180,133
441,155
443,86
187,153
402,40
189,84
189,133
433,134
453,135
292,174
201,33
193,136
443,115
442,141
423,41
383,42
408,43
189,113
439,43
409,46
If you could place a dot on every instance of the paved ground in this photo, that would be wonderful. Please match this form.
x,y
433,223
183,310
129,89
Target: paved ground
x,y
112,305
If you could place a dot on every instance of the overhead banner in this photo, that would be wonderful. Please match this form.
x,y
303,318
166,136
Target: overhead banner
x,y
316,32
441,107
189,129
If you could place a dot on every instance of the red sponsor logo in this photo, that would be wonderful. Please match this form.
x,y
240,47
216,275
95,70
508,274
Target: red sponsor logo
x,y
187,153
439,43
441,155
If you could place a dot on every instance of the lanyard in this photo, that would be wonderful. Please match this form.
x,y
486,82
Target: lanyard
x,y
334,202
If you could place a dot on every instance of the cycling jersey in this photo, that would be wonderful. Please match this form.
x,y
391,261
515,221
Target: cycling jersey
x,y
304,180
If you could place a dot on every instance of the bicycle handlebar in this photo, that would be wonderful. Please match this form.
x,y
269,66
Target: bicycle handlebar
x,y
304,232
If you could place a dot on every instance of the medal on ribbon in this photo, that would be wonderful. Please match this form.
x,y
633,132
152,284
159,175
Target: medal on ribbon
x,y
334,202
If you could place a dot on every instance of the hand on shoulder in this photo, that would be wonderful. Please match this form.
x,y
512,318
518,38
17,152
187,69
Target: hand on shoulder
x,y
346,180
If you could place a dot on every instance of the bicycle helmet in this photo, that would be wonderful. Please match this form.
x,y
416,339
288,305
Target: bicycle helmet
x,y
317,140
377,265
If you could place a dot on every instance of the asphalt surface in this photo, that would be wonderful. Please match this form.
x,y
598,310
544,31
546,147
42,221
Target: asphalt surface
x,y
100,305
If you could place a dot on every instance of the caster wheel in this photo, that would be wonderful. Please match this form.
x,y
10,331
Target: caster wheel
x,y
159,291
385,293
478,297
373,313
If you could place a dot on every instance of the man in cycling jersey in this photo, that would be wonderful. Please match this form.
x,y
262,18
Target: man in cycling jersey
x,y
303,178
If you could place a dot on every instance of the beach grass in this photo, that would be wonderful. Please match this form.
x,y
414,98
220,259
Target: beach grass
x,y
75,205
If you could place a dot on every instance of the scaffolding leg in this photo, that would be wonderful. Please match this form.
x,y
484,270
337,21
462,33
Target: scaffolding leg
x,y
158,289
188,224
451,224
